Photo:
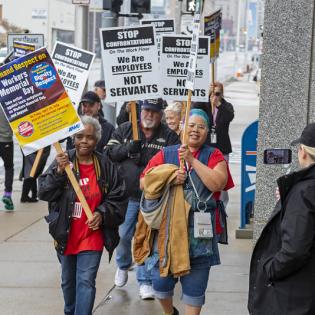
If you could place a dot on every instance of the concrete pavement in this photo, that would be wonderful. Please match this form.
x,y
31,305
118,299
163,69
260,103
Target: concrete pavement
x,y
30,273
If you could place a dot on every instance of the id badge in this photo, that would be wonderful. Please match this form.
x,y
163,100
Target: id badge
x,y
202,225
213,136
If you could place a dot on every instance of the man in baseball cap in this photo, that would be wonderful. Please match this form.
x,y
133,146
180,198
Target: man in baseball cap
x,y
155,105
307,137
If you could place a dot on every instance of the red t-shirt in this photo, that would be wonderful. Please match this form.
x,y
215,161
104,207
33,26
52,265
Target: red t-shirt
x,y
215,158
81,237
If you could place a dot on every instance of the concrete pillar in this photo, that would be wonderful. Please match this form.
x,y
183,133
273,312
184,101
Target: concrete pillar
x,y
287,91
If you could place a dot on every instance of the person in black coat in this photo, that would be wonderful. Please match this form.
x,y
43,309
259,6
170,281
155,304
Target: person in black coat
x,y
282,268
220,114
124,112
79,241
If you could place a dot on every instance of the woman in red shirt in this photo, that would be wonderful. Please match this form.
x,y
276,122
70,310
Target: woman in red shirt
x,y
79,242
204,176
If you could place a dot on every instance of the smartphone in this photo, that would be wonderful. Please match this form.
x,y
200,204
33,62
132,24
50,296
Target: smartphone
x,y
277,156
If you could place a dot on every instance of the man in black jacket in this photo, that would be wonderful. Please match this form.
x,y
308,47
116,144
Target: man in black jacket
x,y
282,269
132,157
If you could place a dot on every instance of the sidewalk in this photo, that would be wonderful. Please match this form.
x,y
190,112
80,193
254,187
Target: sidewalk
x,y
30,273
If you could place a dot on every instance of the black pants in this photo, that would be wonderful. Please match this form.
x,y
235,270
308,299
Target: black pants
x,y
6,153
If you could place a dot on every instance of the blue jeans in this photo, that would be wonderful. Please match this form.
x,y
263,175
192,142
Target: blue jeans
x,y
194,284
123,250
78,281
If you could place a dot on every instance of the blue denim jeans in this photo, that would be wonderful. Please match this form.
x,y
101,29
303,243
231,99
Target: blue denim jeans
x,y
78,274
194,284
123,250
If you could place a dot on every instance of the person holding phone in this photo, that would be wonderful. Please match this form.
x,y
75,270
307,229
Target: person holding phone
x,y
282,268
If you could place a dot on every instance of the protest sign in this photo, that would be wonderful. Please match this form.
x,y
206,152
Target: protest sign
x,y
21,49
165,26
212,28
130,63
35,102
73,66
174,67
162,26
35,39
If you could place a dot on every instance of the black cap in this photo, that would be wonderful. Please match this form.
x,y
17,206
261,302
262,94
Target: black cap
x,y
154,104
100,84
90,97
307,137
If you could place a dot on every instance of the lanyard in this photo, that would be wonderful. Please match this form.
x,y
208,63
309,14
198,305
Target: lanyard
x,y
201,205
214,115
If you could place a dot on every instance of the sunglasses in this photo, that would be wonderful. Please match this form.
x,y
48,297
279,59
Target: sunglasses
x,y
217,94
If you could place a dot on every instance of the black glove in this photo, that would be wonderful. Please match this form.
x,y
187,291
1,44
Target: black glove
x,y
134,147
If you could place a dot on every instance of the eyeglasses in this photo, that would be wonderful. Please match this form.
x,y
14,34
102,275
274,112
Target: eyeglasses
x,y
199,126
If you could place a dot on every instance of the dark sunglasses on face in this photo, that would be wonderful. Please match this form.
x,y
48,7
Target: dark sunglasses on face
x,y
218,94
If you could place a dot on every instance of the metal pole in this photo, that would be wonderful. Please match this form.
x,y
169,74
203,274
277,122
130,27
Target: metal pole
x,y
109,19
238,29
81,26
49,44
178,16
94,31
246,34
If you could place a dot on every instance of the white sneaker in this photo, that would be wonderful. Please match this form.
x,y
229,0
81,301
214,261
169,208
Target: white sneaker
x,y
146,292
121,277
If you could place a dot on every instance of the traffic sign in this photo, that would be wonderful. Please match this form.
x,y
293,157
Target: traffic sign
x,y
191,6
36,39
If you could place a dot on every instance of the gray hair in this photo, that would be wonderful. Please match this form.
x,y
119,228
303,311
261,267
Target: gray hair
x,y
175,107
89,120
309,150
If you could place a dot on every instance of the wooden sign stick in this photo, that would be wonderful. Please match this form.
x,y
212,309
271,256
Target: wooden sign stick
x,y
75,185
213,81
134,120
36,162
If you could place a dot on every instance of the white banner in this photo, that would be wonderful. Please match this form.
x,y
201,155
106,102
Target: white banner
x,y
130,62
175,52
73,65
162,26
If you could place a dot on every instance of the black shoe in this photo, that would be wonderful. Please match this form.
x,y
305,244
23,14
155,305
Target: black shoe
x,y
28,199
175,312
34,189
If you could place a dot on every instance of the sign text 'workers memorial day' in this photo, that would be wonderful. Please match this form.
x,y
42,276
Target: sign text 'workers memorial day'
x,y
175,54
35,102
130,63
73,65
